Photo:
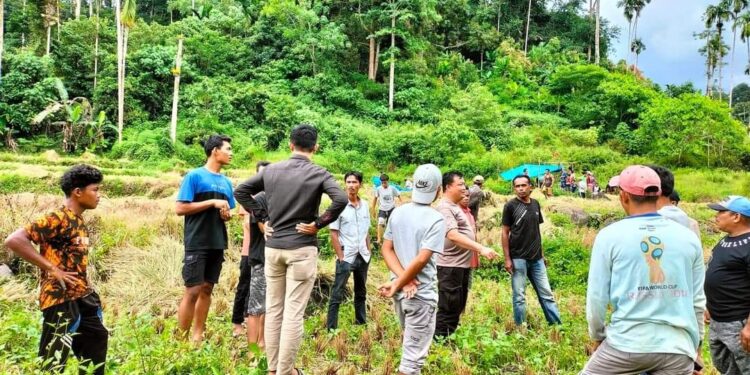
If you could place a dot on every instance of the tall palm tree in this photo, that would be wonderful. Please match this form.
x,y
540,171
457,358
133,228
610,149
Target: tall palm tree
x,y
637,47
737,7
597,32
716,15
2,22
528,21
638,6
127,21
744,26
49,19
628,10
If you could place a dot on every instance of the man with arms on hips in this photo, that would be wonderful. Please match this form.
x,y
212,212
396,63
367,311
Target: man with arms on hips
x,y
415,233
524,256
648,271
351,240
454,264
385,200
728,288
205,198
294,188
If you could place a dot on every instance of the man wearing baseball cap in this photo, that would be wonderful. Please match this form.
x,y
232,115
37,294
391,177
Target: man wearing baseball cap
x,y
476,196
728,288
649,269
415,232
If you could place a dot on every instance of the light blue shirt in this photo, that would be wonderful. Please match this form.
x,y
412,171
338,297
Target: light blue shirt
x,y
650,271
353,226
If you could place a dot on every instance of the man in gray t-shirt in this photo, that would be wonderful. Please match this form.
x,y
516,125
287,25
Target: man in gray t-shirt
x,y
385,200
415,233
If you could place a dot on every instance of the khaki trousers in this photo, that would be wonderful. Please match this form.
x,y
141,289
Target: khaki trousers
x,y
290,276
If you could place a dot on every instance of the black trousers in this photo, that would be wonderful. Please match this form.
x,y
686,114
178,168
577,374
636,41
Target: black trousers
x,y
74,326
343,270
240,298
453,292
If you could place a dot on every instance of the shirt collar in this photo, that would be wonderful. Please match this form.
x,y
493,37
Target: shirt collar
x,y
299,157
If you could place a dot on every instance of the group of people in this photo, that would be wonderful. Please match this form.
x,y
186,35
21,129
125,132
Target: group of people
x,y
647,269
586,186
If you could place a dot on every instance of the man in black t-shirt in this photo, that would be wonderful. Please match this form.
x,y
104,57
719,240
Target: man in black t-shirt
x,y
524,257
727,288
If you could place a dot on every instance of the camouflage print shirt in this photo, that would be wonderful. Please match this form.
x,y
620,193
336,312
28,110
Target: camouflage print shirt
x,y
64,241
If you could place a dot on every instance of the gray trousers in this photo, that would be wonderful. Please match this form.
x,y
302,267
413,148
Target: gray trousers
x,y
417,320
726,351
609,361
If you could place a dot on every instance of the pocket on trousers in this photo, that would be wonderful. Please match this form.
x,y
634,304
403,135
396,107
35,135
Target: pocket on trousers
x,y
304,267
189,266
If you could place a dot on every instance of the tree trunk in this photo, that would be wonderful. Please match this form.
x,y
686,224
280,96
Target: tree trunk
x,y
91,8
597,33
120,83
176,92
721,62
49,37
371,60
2,36
635,36
526,39
393,64
96,46
481,61
23,33
731,68
59,21
78,9
499,8
377,61
630,34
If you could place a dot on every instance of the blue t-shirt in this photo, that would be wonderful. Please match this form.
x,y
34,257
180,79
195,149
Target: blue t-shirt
x,y
205,230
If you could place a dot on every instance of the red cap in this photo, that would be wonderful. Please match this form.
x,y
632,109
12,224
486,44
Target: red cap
x,y
640,180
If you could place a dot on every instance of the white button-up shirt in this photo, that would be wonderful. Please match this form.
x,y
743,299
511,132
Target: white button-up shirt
x,y
354,226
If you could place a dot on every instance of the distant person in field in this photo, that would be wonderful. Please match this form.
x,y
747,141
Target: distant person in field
x,y
408,184
647,272
385,201
582,187
415,233
71,309
524,255
590,181
294,188
547,182
350,239
240,297
572,184
255,300
664,204
728,288
477,196
564,180
454,264
205,199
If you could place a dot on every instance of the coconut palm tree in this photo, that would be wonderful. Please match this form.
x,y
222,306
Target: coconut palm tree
x,y
716,15
638,6
49,19
637,47
597,32
528,21
2,22
744,26
737,6
126,22
628,9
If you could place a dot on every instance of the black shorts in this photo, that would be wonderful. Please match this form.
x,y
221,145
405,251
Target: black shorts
x,y
385,214
74,326
202,266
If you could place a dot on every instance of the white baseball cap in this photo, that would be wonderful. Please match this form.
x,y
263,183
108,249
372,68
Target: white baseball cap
x,y
427,180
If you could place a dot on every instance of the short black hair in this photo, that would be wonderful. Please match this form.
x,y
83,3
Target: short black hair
x,y
674,197
261,164
384,177
356,175
214,141
304,137
79,176
521,176
449,177
641,199
667,179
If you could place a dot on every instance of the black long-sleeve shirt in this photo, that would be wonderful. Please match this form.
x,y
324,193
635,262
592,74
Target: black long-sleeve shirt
x,y
293,189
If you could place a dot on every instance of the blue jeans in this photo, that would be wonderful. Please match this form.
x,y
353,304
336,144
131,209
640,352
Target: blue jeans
x,y
536,272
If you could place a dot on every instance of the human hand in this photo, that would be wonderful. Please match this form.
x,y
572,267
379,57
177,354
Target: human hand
x,y
595,345
267,231
488,253
745,338
225,214
411,288
706,317
387,290
309,228
220,204
63,277
509,266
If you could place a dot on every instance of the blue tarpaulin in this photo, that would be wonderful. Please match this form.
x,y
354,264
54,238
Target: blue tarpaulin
x,y
535,170
376,182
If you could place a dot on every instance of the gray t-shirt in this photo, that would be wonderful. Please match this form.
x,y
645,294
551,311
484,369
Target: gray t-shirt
x,y
386,197
414,227
455,219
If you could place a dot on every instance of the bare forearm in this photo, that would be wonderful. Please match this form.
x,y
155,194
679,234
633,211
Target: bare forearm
x,y
336,244
391,260
413,269
464,242
191,208
19,243
506,244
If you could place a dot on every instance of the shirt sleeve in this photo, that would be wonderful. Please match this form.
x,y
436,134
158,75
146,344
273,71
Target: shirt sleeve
x,y
339,200
336,224
597,293
261,199
508,215
187,189
434,237
44,228
230,198
388,235
396,193
541,217
450,220
244,195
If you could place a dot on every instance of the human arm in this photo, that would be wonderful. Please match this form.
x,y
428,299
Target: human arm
x,y
467,243
336,244
405,277
191,208
244,194
505,240
339,200
245,231
19,242
598,293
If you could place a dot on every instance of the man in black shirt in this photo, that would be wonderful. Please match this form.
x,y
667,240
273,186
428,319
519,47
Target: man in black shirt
x,y
294,188
524,257
727,288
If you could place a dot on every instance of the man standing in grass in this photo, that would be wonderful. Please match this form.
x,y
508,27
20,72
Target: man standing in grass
x,y
415,233
294,188
648,271
205,199
255,301
524,256
476,196
547,182
240,298
454,264
385,200
728,288
71,309
351,240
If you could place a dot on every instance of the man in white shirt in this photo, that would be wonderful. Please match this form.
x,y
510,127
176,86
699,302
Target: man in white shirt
x,y
351,241
385,200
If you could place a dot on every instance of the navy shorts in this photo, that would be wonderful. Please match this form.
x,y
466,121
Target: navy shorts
x,y
202,266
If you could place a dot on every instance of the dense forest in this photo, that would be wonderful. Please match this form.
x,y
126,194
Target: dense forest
x,y
478,85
